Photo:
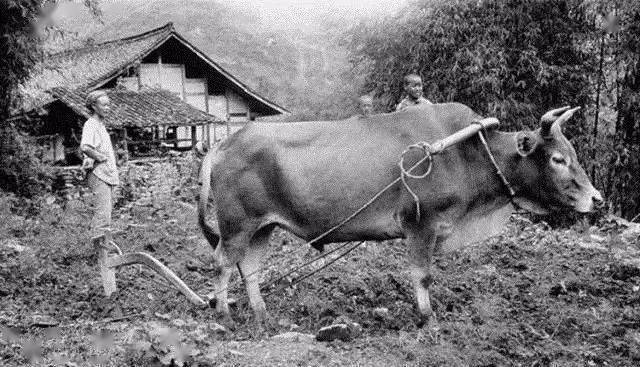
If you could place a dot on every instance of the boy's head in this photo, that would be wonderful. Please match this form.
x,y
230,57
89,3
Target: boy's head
x,y
366,104
413,86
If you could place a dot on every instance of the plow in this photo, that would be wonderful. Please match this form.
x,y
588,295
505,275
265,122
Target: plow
x,y
109,262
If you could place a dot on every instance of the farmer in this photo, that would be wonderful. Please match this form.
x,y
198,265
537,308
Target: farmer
x,y
413,91
365,103
100,162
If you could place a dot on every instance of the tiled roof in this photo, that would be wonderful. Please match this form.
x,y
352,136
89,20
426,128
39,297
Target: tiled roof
x,y
86,66
150,107
91,66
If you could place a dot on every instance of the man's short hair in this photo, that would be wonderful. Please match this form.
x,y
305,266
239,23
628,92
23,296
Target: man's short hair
x,y
411,77
92,98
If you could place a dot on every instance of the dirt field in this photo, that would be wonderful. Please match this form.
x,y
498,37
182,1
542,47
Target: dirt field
x,y
534,296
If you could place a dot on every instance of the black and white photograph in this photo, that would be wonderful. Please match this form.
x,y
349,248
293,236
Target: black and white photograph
x,y
200,183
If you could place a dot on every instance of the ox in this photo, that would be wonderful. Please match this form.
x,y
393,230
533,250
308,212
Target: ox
x,y
305,177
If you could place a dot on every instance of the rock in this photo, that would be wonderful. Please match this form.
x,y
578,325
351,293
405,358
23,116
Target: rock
x,y
633,340
487,270
164,316
344,332
624,271
293,336
284,323
217,328
43,321
558,289
631,234
12,244
178,323
380,313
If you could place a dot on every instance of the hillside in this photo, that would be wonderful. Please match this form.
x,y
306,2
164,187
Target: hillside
x,y
302,67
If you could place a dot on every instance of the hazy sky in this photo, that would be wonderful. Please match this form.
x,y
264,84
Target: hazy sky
x,y
362,6
291,12
274,14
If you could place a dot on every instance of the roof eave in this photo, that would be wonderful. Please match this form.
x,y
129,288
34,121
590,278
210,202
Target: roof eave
x,y
230,77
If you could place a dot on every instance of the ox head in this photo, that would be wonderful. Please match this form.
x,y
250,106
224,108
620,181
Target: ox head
x,y
551,175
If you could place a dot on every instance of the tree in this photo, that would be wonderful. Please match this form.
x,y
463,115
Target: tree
x,y
22,26
512,60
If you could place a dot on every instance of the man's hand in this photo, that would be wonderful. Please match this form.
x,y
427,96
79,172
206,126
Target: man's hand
x,y
91,152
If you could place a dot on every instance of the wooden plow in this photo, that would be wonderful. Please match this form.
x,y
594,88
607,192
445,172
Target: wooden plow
x,y
109,263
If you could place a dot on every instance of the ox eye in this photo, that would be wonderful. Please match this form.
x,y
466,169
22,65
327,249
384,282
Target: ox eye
x,y
559,159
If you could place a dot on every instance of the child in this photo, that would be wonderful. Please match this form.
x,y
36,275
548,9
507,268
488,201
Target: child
x,y
413,90
366,105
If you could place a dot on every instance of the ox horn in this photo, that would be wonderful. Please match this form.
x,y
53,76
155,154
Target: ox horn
x,y
555,117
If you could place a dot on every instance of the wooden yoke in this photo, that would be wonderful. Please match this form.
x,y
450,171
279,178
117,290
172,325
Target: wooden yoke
x,y
109,263
463,134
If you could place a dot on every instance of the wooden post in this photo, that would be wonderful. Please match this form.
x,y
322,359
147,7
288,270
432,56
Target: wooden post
x,y
125,145
194,136
208,135
107,273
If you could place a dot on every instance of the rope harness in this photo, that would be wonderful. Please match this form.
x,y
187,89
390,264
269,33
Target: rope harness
x,y
429,150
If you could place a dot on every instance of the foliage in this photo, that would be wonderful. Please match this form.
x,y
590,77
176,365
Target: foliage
x,y
514,60
20,171
18,46
22,25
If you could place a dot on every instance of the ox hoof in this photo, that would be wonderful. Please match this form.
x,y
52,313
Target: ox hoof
x,y
226,321
429,330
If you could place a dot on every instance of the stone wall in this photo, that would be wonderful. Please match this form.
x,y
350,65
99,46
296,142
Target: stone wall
x,y
142,182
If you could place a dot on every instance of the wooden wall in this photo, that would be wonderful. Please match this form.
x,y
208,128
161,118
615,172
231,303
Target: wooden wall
x,y
177,69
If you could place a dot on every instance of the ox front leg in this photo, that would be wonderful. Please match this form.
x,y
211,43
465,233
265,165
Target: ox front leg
x,y
422,248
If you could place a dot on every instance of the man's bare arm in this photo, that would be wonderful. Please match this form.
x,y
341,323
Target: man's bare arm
x,y
91,152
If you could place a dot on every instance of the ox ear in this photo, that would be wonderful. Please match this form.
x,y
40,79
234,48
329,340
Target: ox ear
x,y
526,142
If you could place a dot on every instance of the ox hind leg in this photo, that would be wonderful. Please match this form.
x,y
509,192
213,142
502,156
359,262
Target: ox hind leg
x,y
223,266
250,266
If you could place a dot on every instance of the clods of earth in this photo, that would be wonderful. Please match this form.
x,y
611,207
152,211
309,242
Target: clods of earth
x,y
531,296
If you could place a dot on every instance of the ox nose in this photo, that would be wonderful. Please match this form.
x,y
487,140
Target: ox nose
x,y
597,199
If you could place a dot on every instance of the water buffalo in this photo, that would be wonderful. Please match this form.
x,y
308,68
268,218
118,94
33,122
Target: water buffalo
x,y
307,176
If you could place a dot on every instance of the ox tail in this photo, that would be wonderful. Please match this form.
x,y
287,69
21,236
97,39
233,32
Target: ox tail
x,y
210,233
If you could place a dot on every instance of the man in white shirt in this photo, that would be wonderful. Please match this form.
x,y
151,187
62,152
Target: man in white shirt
x,y
101,160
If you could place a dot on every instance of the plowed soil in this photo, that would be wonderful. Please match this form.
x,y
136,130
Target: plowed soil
x,y
532,296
